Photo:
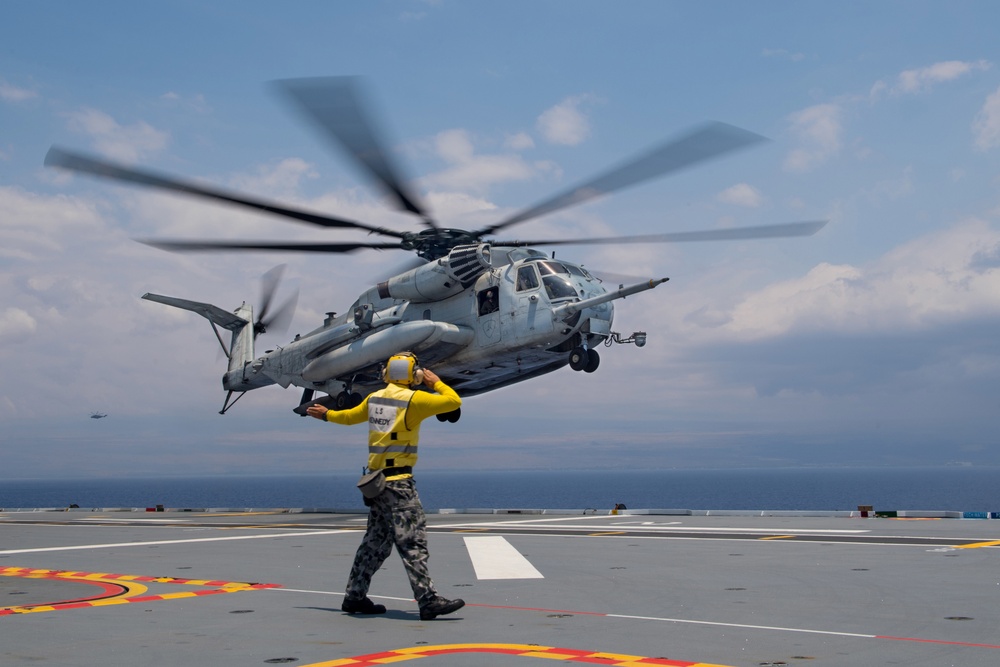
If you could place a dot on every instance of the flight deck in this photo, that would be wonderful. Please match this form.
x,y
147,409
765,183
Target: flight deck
x,y
256,587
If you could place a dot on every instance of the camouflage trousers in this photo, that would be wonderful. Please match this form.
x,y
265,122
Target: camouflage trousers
x,y
394,517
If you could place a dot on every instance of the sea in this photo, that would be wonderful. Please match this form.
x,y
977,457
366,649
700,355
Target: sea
x,y
955,488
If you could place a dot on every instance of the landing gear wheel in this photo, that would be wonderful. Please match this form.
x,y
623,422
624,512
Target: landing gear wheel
x,y
593,361
340,402
354,400
450,417
578,359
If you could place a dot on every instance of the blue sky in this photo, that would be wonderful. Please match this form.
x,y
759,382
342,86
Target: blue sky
x,y
873,342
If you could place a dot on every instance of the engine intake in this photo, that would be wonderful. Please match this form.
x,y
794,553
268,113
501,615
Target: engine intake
x,y
445,277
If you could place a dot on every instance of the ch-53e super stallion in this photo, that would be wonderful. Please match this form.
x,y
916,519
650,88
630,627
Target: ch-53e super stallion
x,y
483,311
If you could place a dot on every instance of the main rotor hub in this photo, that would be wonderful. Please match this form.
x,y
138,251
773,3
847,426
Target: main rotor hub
x,y
431,244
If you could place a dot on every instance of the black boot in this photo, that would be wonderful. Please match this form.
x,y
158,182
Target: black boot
x,y
439,606
362,606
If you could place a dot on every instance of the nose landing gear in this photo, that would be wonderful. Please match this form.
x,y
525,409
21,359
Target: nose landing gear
x,y
345,400
582,359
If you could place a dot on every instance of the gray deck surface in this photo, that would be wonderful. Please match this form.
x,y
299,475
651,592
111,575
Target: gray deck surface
x,y
634,589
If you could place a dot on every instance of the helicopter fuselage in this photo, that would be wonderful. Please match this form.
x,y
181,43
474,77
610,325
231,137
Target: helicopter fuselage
x,y
483,317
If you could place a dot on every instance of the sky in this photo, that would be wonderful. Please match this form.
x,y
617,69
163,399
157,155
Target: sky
x,y
874,342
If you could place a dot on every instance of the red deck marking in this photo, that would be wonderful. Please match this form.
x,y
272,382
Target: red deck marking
x,y
524,650
942,642
116,588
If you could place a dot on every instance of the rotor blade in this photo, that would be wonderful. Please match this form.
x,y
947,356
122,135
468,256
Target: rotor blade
x,y
335,104
58,157
195,246
709,141
782,230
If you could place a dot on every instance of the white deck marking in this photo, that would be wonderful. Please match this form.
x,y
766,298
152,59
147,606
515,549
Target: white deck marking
x,y
670,526
493,557
102,519
159,542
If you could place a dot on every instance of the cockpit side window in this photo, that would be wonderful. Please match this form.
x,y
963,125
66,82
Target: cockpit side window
x,y
488,301
526,278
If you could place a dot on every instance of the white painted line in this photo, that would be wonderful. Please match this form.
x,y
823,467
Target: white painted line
x,y
743,625
76,547
493,557
102,519
665,527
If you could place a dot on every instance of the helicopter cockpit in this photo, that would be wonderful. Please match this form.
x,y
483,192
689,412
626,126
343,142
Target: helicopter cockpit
x,y
537,268
555,277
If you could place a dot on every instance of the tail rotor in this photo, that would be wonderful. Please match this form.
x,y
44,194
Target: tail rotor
x,y
278,320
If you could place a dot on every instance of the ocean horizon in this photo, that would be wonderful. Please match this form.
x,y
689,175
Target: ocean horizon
x,y
951,488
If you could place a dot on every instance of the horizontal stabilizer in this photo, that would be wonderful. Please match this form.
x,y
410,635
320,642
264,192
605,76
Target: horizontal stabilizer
x,y
223,318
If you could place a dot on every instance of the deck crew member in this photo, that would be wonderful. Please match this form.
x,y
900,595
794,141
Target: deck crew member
x,y
396,516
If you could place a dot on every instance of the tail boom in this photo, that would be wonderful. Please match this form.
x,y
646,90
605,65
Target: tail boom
x,y
239,375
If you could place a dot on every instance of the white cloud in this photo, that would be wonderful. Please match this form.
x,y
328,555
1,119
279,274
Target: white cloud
x,y
32,222
935,280
16,325
470,171
11,93
921,80
986,126
819,132
457,205
741,194
519,142
565,123
454,145
122,142
282,179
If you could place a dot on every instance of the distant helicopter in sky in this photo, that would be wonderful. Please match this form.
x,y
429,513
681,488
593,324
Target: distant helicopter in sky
x,y
98,415
484,312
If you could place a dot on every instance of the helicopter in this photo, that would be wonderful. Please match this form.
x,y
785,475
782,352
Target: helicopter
x,y
98,415
485,312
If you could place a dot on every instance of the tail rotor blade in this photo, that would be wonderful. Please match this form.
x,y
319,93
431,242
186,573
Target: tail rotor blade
x,y
268,286
279,320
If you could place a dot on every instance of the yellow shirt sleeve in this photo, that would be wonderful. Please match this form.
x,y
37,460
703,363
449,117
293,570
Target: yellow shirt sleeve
x,y
351,416
425,404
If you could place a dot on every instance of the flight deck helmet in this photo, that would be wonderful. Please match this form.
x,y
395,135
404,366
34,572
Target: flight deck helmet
x,y
403,368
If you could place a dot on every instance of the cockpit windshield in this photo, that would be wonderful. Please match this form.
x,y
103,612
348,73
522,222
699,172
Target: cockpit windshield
x,y
579,271
558,287
550,267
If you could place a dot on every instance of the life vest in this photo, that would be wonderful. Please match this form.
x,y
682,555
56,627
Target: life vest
x,y
392,443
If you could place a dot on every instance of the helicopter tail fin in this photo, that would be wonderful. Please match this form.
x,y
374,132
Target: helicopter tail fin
x,y
239,375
